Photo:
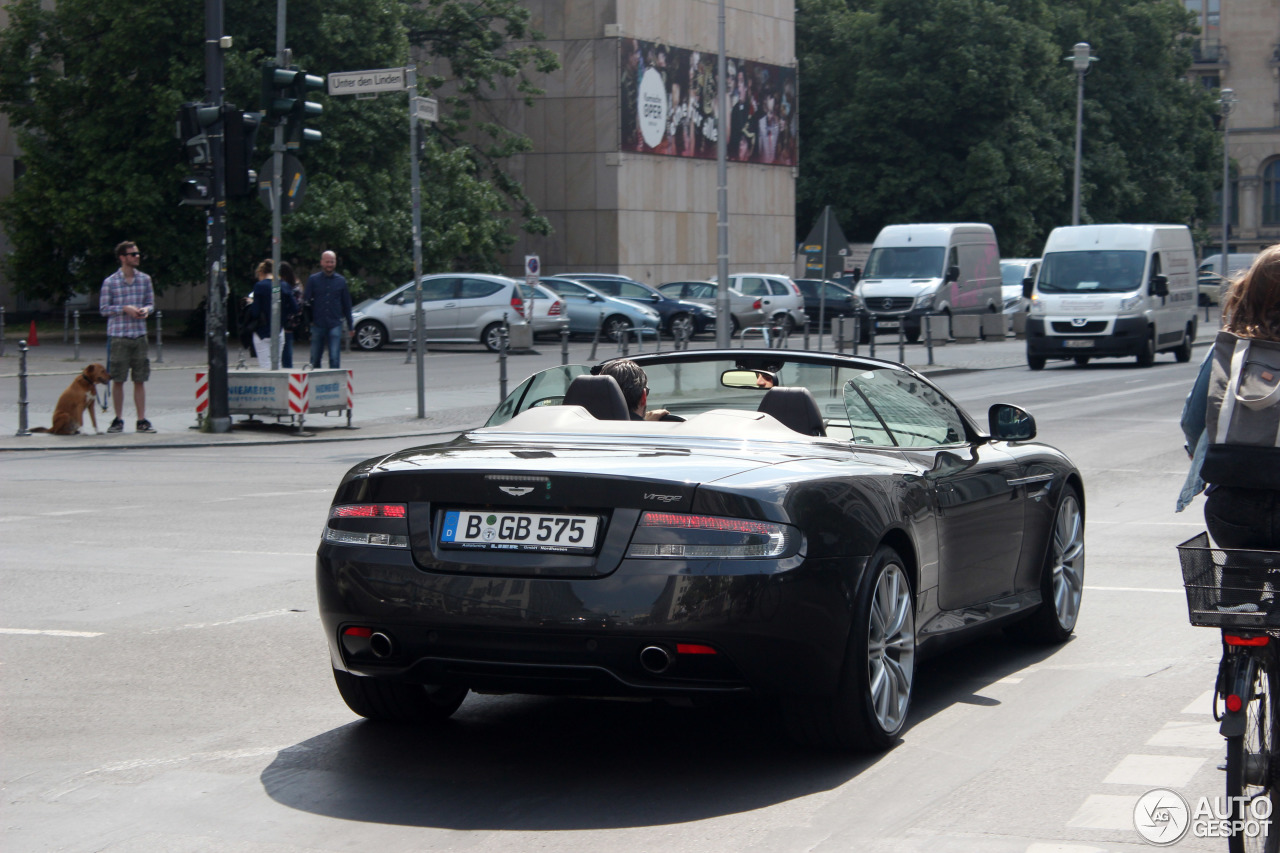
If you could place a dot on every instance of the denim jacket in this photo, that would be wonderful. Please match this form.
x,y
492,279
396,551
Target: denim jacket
x,y
1193,413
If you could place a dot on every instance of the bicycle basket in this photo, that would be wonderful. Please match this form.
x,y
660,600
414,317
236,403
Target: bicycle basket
x,y
1230,588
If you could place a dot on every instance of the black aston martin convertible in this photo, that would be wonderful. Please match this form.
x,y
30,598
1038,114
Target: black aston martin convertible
x,y
800,529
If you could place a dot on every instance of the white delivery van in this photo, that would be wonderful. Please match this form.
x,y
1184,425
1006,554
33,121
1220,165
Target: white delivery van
x,y
1112,291
945,268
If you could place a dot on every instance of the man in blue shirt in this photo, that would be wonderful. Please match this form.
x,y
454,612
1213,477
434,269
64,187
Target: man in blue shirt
x,y
330,303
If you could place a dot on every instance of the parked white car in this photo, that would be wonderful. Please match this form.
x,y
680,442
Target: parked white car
x,y
780,297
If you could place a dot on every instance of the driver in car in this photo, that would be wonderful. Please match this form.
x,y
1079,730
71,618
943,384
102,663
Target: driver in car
x,y
635,389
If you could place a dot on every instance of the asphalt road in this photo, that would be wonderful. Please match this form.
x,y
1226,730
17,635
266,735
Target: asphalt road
x,y
164,684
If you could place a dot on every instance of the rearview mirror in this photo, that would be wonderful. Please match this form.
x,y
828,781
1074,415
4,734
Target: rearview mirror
x,y
1159,285
1028,285
953,274
1009,423
762,379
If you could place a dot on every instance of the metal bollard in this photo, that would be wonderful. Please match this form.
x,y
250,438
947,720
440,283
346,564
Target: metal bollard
x,y
871,344
159,336
564,345
66,321
22,389
806,335
902,343
502,361
928,336
595,339
622,341
77,334
857,335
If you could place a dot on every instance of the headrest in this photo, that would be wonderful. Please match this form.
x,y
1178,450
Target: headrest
x,y
599,395
795,408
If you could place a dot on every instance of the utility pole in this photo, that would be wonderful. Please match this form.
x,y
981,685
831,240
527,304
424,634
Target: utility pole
x,y
724,321
216,227
277,168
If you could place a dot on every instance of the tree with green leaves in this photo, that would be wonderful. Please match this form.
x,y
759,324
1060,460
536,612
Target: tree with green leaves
x,y
92,90
964,110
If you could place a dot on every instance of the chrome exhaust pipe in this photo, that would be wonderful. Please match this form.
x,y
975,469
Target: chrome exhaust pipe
x,y
381,646
655,659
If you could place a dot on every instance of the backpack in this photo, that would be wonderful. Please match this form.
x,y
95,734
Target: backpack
x,y
1242,418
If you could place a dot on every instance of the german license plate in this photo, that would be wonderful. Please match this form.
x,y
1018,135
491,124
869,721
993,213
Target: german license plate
x,y
1077,343
519,531
886,324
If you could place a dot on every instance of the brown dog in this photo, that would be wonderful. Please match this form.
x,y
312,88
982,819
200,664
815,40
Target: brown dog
x,y
68,415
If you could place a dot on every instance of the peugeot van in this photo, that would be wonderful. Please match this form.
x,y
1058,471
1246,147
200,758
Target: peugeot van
x,y
1111,291
914,270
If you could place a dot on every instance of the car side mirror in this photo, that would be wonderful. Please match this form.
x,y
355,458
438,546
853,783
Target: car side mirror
x,y
595,297
1009,423
1159,285
399,300
1028,286
953,274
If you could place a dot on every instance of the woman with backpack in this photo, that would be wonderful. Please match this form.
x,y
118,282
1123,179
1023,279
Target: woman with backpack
x,y
1231,418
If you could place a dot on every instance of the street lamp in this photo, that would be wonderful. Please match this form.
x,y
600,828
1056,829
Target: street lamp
x,y
1080,60
1228,99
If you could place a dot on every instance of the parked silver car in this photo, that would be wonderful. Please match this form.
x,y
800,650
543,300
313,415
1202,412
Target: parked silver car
x,y
588,308
456,307
782,301
550,314
744,311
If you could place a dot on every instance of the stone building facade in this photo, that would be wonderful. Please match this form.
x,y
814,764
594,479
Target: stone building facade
x,y
1239,49
648,215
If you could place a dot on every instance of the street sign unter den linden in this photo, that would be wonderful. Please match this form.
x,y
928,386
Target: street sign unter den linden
x,y
368,82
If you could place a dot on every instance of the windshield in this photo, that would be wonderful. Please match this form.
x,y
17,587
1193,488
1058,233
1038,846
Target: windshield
x,y
905,262
1102,271
863,404
1012,273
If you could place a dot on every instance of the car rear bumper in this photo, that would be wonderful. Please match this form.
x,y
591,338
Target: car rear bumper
x,y
765,632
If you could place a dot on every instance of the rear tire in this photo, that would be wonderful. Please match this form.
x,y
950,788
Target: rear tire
x,y
681,324
491,337
1062,579
1250,767
869,709
398,702
1035,362
784,324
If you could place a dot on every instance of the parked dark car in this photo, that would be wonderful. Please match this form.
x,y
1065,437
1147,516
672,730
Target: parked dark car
x,y
744,311
806,528
678,316
841,301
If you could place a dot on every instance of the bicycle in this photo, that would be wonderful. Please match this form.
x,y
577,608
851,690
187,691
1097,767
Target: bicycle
x,y
1238,592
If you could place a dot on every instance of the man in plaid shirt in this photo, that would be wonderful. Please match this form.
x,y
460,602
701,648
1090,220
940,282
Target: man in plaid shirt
x,y
127,301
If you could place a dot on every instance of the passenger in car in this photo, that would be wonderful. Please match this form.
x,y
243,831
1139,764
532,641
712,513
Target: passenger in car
x,y
635,388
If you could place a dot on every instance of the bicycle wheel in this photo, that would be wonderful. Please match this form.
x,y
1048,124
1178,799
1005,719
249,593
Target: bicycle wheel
x,y
1251,768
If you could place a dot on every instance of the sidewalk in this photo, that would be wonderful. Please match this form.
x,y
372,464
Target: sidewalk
x,y
390,413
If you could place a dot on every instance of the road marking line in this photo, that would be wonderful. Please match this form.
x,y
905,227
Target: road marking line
x,y
51,633
1184,735
1202,705
252,617
1154,771
1134,589
1105,811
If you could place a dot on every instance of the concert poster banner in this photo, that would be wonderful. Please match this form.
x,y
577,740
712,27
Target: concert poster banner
x,y
668,104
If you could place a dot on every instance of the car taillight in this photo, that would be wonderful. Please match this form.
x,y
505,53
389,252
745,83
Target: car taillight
x,y
680,536
517,304
368,524
556,309
796,288
757,305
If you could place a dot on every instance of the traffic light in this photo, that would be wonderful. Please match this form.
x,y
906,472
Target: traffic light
x,y
284,100
193,120
277,92
240,133
295,132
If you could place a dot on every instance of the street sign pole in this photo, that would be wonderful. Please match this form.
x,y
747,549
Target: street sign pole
x,y
415,185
